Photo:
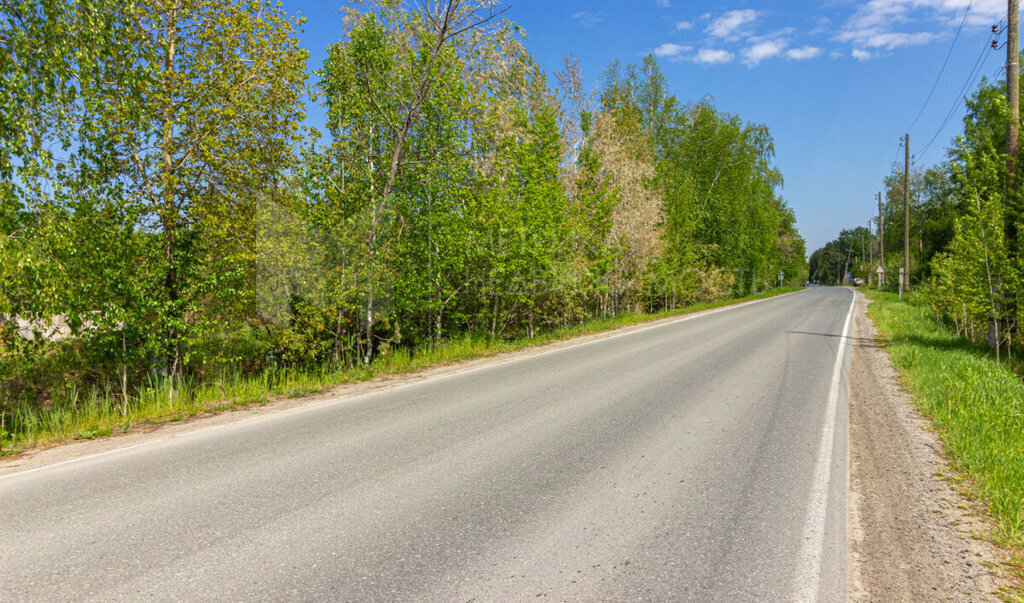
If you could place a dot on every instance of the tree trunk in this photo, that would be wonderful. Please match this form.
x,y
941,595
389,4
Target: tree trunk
x,y
124,373
169,210
336,359
368,333
437,327
494,317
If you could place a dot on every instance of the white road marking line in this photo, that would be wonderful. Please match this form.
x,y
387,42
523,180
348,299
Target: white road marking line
x,y
808,575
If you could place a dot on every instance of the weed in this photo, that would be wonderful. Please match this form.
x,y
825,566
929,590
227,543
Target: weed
x,y
73,414
91,434
976,406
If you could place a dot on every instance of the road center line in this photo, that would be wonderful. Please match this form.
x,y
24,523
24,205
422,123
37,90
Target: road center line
x,y
808,576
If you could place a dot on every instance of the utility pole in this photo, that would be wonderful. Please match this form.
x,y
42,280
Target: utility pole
x,y
881,233
1012,97
871,247
905,280
839,279
846,271
1012,212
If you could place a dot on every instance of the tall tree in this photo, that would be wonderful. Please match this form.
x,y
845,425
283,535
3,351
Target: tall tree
x,y
178,127
375,84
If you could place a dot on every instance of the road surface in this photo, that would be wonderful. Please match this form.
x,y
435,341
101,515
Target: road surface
x,y
703,459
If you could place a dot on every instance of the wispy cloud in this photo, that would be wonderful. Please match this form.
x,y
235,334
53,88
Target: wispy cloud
x,y
860,55
711,56
669,50
821,26
586,18
891,24
734,35
778,33
804,53
733,24
663,3
753,55
983,12
876,38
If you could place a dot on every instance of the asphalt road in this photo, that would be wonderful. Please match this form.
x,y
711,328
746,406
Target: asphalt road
x,y
700,460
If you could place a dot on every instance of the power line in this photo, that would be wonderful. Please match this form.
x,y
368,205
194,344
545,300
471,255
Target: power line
x,y
968,83
963,20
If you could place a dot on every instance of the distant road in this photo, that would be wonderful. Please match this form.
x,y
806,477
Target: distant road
x,y
700,460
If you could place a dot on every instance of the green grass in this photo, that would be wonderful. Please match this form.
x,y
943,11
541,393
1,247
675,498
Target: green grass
x,y
88,415
976,405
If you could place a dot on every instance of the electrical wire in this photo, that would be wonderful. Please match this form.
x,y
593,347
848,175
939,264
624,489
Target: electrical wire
x,y
963,20
968,83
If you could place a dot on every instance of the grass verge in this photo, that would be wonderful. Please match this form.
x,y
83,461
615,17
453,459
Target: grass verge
x,y
93,414
976,405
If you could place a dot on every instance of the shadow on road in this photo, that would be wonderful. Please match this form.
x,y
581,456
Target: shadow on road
x,y
860,342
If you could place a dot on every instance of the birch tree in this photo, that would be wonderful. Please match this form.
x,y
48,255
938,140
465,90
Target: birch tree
x,y
375,83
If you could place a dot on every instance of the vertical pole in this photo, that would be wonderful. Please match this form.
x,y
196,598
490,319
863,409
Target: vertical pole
x,y
881,233
881,240
906,212
1012,203
871,247
846,270
1012,94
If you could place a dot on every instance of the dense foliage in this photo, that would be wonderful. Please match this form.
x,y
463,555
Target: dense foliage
x,y
963,224
159,196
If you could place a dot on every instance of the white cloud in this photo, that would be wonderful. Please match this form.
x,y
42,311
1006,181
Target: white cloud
x,y
983,12
684,25
860,55
778,33
760,51
806,52
663,3
587,18
671,50
890,24
732,24
877,38
711,56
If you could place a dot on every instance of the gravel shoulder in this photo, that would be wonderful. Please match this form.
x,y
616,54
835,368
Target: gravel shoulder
x,y
912,536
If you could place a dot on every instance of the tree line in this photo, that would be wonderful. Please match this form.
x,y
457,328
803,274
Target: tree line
x,y
160,193
964,213
858,250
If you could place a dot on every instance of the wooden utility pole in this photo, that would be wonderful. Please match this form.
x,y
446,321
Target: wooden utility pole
x,y
881,233
1012,97
846,270
882,244
871,248
905,281
839,256
1011,206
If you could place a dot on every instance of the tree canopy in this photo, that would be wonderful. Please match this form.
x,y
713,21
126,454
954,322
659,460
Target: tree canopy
x,y
159,191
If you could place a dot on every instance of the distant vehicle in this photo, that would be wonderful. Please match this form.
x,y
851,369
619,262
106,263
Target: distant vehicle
x,y
858,282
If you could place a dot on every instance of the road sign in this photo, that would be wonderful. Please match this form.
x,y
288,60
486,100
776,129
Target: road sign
x,y
880,270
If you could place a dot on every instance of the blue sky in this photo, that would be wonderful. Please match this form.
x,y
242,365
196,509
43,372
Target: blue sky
x,y
837,82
